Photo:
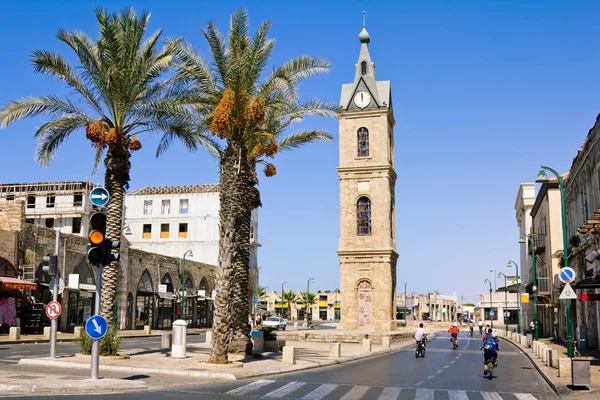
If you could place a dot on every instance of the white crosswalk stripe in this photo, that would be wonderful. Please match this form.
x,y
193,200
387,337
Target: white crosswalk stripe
x,y
390,393
524,396
457,395
320,392
356,393
284,390
424,394
250,387
490,396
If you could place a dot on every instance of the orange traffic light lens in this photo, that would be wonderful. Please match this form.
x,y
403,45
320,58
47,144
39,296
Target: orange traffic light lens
x,y
96,237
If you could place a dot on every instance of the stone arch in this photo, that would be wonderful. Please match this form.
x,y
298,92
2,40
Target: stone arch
x,y
145,283
166,280
362,142
86,275
363,68
7,268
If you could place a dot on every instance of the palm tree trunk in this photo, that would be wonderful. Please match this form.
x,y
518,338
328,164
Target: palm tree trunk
x,y
229,205
115,179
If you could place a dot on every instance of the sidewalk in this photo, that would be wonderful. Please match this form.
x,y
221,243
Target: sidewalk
x,y
152,363
69,337
563,385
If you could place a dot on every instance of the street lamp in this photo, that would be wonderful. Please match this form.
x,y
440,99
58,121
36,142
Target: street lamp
x,y
306,301
412,305
191,254
494,275
126,231
491,303
534,285
435,306
505,301
542,178
255,296
283,283
518,294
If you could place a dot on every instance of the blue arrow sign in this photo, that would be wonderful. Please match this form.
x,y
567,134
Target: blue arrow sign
x,y
99,196
96,327
566,275
254,299
492,312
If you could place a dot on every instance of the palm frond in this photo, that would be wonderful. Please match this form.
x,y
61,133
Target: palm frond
x,y
219,52
50,106
302,138
54,133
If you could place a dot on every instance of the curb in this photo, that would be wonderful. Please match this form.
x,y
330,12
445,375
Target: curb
x,y
102,385
36,341
529,356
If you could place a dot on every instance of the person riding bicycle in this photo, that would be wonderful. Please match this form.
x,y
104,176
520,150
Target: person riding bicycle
x,y
490,349
454,334
420,335
480,327
471,327
488,333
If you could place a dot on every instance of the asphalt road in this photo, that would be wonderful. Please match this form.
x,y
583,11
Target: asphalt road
x,y
444,374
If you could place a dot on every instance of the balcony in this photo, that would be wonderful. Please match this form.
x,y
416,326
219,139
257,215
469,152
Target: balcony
x,y
539,241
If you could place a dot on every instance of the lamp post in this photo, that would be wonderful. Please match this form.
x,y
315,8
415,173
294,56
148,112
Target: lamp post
x,y
191,254
493,271
518,294
435,306
542,178
534,287
429,301
405,306
255,296
412,305
125,231
306,301
491,303
505,301
283,283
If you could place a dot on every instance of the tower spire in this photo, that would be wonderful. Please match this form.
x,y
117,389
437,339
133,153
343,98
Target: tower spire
x,y
363,36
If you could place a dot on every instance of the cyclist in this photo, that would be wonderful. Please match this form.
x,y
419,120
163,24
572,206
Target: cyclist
x,y
490,350
454,334
480,327
471,327
420,335
488,333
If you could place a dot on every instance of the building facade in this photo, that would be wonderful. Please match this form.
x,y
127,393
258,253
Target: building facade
x,y
523,205
171,220
500,303
326,307
434,307
367,247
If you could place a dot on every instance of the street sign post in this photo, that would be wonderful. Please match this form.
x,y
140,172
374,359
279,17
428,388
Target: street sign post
x,y
53,310
568,293
492,313
254,299
99,196
96,327
566,275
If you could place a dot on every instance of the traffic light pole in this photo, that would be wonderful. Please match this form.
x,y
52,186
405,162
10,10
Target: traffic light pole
x,y
55,279
96,342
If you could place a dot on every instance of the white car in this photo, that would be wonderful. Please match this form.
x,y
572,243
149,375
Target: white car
x,y
275,322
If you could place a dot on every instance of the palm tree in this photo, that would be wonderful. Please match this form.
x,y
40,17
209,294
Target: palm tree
x,y
262,291
250,113
289,297
119,94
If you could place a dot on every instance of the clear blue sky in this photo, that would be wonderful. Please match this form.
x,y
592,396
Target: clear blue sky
x,y
484,92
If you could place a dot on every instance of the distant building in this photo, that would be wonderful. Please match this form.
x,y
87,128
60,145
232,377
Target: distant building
x,y
326,307
434,307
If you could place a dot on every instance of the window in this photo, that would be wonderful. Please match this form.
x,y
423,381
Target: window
x,y
49,222
147,207
78,200
363,142
363,68
30,201
183,231
165,207
164,231
76,225
10,197
30,220
363,212
183,206
50,200
147,231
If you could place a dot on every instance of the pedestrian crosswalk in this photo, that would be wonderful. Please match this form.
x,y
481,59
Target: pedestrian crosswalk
x,y
275,389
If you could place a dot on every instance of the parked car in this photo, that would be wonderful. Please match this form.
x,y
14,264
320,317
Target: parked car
x,y
275,322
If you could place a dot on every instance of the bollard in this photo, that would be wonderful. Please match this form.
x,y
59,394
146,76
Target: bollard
x,y
77,331
564,367
544,350
147,330
534,346
258,342
554,359
166,340
335,350
580,371
295,324
208,337
14,333
366,344
47,330
178,348
385,341
529,339
289,355
549,353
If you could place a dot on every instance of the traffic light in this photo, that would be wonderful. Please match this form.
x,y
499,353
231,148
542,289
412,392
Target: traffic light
x,y
50,265
96,247
110,245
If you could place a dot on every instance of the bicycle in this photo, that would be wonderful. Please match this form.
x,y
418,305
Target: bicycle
x,y
490,366
420,348
471,331
454,342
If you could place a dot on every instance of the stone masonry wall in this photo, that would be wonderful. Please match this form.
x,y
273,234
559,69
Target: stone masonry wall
x,y
12,215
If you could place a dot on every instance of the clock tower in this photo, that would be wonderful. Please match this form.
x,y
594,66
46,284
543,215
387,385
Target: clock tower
x,y
367,248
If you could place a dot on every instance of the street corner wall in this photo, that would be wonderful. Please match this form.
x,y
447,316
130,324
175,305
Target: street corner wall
x,y
12,215
9,246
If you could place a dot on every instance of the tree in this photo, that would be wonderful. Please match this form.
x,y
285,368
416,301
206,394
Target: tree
x,y
249,112
119,95
262,291
289,297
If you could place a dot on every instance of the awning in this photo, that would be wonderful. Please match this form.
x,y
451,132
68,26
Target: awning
x,y
587,283
14,283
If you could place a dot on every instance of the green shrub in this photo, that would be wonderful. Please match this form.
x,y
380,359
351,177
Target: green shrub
x,y
109,344
267,332
402,324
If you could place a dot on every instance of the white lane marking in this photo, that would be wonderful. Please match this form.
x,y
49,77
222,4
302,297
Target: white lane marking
x,y
420,383
439,372
446,366
356,393
424,394
285,389
524,396
320,392
490,396
452,362
250,387
390,393
457,395
430,377
9,361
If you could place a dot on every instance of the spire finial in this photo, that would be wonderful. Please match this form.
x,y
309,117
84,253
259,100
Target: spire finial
x,y
363,36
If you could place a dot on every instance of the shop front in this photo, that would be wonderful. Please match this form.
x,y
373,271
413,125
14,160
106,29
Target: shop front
x,y
204,305
144,302
81,291
13,310
166,304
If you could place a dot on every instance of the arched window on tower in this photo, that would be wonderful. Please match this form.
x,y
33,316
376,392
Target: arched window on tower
x,y
363,68
363,214
363,142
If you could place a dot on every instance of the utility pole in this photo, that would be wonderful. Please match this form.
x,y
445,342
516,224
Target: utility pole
x,y
405,306
429,297
55,278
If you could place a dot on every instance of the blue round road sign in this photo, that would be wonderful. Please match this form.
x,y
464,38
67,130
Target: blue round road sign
x,y
99,196
96,327
492,312
566,275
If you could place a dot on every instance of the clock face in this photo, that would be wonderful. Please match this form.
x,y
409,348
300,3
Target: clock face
x,y
362,99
